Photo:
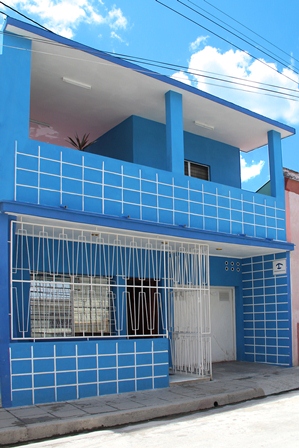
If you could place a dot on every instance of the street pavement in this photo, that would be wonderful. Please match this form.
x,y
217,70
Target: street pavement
x,y
267,422
233,382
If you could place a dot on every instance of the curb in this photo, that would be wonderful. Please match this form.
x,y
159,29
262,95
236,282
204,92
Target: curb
x,y
45,430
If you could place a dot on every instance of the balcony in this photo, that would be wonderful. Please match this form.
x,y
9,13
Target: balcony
x,y
90,183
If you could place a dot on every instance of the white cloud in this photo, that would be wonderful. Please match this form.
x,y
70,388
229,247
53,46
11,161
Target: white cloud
x,y
116,19
182,77
196,44
235,63
249,171
116,36
64,16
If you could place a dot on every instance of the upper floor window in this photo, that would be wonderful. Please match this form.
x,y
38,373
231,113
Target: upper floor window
x,y
196,170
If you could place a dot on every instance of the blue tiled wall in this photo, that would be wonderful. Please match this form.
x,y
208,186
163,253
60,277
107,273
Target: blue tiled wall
x,y
44,372
106,186
266,308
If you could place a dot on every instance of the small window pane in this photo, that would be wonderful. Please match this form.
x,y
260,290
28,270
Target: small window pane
x,y
199,171
196,170
186,168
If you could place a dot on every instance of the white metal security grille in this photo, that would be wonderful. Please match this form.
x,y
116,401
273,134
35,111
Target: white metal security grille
x,y
86,281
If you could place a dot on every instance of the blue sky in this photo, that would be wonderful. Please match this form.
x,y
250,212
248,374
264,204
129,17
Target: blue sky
x,y
150,29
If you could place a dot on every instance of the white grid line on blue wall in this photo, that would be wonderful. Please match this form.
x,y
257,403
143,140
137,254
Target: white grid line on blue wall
x,y
177,200
266,312
22,371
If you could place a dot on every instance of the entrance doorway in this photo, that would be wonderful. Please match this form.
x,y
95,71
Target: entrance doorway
x,y
223,329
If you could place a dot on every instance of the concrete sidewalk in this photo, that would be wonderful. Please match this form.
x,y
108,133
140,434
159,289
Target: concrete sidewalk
x,y
233,382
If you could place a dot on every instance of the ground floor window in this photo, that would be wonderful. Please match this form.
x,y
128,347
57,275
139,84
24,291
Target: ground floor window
x,y
62,305
143,302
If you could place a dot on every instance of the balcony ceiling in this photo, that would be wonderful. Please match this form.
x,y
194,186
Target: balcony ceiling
x,y
119,90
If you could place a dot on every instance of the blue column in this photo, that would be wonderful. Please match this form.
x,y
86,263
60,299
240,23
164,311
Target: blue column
x,y
174,132
15,66
276,168
5,318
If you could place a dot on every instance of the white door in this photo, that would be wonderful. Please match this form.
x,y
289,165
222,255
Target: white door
x,y
223,324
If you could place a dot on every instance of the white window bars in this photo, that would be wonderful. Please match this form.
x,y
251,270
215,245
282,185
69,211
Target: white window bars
x,y
93,282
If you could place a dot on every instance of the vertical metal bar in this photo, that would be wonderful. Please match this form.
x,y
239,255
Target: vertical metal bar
x,y
242,202
157,198
230,212
217,210
135,366
173,206
116,367
38,177
15,171
32,373
22,288
55,372
189,208
122,189
60,177
265,218
103,188
83,180
11,374
77,371
97,370
12,224
254,217
140,195
276,220
153,365
203,207
165,279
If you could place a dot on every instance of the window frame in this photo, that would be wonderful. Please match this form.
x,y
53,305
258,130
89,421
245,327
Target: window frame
x,y
70,300
189,163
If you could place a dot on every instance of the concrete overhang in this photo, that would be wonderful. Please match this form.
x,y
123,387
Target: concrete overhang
x,y
220,244
116,89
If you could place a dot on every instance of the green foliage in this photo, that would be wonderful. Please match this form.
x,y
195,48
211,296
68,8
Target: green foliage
x,y
80,143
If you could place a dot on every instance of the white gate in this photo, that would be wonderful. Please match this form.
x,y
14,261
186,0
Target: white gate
x,y
189,313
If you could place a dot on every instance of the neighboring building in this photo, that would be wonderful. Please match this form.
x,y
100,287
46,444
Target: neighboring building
x,y
292,215
142,252
291,185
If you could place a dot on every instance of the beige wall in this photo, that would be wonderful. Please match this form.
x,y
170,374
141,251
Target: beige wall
x,y
292,212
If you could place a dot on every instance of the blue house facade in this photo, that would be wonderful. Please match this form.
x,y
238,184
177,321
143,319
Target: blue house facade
x,y
140,256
